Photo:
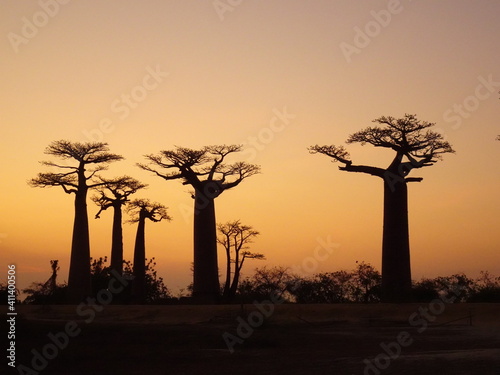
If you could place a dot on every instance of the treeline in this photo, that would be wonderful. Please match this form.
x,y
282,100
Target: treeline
x,y
53,293
360,285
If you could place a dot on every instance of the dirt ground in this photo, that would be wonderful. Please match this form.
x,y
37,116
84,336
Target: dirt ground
x,y
270,339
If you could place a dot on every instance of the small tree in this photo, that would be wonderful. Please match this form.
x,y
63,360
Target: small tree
x,y
90,158
115,193
234,238
206,171
415,146
140,210
49,292
367,282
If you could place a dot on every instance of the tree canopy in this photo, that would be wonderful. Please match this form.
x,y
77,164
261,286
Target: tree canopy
x,y
91,153
407,136
115,191
151,210
205,164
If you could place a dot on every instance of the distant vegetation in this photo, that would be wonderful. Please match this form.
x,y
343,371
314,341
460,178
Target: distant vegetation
x,y
360,285
53,293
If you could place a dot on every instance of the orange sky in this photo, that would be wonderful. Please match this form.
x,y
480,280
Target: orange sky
x,y
145,76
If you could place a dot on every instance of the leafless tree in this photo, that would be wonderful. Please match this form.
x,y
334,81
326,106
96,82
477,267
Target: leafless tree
x,y
235,237
88,158
206,171
415,146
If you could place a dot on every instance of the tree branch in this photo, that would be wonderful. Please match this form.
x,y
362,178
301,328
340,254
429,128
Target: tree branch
x,y
374,171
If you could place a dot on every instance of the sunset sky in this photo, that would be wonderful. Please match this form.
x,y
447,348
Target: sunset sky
x,y
277,76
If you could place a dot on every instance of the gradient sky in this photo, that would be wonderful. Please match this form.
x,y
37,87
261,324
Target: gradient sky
x,y
222,74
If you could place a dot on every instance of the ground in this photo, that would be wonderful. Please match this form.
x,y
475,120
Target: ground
x,y
293,339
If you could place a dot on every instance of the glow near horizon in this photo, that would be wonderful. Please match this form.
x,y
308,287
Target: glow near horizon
x,y
226,80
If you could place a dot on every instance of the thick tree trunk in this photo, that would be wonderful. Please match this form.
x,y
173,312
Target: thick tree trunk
x,y
117,241
396,272
139,271
206,275
79,284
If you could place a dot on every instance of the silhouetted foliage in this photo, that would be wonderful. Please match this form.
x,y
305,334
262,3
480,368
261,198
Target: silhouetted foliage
x,y
89,159
328,287
424,290
360,285
205,170
48,293
155,291
266,282
367,283
486,289
416,146
455,285
100,274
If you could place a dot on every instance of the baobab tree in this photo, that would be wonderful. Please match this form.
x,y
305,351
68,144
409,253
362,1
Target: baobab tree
x,y
205,170
89,158
140,210
415,146
115,193
235,237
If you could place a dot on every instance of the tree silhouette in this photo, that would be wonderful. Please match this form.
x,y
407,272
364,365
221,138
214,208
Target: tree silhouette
x,y
207,173
90,158
234,238
415,146
140,210
115,193
48,293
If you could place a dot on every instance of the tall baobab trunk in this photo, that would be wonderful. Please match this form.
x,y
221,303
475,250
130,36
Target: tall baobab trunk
x,y
206,275
396,272
117,240
139,271
79,285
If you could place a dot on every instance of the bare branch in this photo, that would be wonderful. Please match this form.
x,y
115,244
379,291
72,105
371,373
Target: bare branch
x,y
374,171
68,181
89,152
242,170
220,152
337,153
168,176
51,164
413,179
193,165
